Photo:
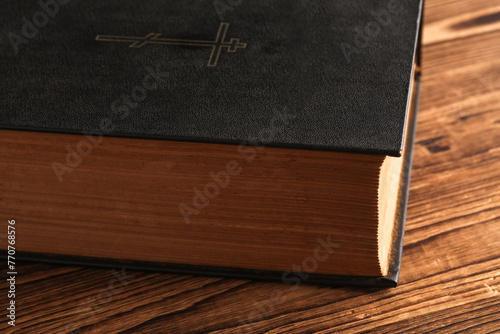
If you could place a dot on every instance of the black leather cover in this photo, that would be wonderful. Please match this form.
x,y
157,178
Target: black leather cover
x,y
62,79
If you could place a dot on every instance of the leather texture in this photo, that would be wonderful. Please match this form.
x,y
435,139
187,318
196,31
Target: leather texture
x,y
64,80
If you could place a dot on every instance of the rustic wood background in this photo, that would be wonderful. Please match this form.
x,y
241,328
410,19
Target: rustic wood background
x,y
450,280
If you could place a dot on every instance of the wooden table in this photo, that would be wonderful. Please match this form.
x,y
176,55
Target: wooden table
x,y
450,278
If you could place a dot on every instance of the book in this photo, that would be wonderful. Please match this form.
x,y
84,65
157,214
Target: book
x,y
263,139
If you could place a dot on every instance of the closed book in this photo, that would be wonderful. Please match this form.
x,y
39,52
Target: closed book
x,y
259,139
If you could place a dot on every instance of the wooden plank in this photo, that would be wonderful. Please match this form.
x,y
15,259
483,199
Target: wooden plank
x,y
450,280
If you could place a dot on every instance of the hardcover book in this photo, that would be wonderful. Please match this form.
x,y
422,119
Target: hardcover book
x,y
258,139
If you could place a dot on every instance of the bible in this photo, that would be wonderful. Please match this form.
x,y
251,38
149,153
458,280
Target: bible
x,y
262,139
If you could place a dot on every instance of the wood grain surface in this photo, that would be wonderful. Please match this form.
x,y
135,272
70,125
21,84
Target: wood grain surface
x,y
450,278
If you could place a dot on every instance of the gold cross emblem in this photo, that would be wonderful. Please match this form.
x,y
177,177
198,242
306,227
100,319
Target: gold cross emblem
x,y
154,38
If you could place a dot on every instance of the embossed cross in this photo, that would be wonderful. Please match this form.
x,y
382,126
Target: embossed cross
x,y
217,44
